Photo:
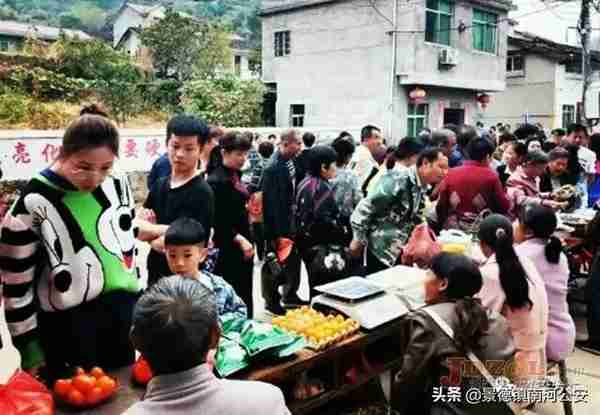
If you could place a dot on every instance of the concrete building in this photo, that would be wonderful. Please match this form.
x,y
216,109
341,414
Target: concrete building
x,y
133,18
345,63
13,34
544,83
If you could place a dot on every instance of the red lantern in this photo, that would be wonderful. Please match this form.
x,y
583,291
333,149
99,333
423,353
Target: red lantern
x,y
484,99
417,95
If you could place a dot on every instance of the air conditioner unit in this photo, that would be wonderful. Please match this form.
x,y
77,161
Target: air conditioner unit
x,y
448,57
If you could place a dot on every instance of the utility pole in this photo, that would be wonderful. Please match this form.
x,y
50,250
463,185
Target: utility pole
x,y
584,32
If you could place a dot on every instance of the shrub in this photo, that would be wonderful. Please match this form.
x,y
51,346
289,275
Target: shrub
x,y
48,116
46,84
226,100
13,107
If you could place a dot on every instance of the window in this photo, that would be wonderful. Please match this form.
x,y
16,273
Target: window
x,y
568,115
438,21
297,115
418,118
574,65
282,43
515,65
484,31
237,65
4,45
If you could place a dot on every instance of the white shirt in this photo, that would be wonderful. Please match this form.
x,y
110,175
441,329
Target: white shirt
x,y
362,164
587,158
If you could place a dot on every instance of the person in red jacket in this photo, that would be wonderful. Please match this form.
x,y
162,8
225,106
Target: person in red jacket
x,y
470,190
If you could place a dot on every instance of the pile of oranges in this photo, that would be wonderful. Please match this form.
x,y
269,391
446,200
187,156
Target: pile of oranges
x,y
86,389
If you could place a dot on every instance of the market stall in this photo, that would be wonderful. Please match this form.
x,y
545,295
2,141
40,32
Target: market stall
x,y
343,366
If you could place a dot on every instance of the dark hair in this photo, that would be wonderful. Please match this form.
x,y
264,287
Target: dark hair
x,y
289,135
266,149
235,141
519,148
558,153
430,154
525,131
536,157
575,128
89,132
496,231
94,109
480,148
272,137
344,147
187,126
541,220
409,147
319,156
185,231
390,157
248,135
309,139
452,127
574,168
172,324
595,144
532,139
215,160
464,281
344,134
506,138
558,131
441,138
466,133
367,131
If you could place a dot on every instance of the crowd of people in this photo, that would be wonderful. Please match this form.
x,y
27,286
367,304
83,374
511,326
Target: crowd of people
x,y
218,198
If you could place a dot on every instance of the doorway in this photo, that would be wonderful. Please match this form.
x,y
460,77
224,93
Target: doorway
x,y
454,116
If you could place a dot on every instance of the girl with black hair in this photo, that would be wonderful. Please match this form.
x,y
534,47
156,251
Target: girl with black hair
x,y
535,228
430,355
513,287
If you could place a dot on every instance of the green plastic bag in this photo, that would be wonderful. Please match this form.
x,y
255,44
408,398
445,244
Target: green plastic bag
x,y
295,346
257,337
230,358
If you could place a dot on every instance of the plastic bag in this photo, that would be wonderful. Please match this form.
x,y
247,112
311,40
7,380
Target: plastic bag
x,y
230,357
24,395
421,247
257,337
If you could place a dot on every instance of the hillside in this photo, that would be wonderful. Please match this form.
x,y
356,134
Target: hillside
x,y
95,16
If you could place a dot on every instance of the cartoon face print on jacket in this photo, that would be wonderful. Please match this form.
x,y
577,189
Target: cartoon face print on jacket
x,y
116,220
73,274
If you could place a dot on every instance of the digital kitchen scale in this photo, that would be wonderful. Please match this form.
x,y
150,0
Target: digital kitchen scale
x,y
405,282
360,300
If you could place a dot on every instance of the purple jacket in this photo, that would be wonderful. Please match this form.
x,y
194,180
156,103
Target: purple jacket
x,y
561,328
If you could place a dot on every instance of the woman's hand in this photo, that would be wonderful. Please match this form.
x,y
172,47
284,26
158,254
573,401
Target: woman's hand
x,y
148,215
246,247
158,244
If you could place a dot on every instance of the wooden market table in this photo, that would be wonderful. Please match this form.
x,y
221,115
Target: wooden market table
x,y
280,373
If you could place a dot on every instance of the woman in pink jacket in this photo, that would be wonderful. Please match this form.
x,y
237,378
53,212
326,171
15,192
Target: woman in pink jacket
x,y
513,287
536,226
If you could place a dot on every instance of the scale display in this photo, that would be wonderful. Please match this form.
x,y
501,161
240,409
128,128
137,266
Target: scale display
x,y
350,289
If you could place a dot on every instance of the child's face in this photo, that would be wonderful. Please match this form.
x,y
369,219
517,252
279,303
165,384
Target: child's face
x,y
185,260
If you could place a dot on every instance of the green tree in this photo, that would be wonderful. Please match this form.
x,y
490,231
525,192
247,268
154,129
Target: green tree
x,y
119,92
225,100
182,46
91,16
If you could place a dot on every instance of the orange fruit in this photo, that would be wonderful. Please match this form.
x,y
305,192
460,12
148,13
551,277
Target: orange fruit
x,y
62,387
107,384
97,372
79,371
142,372
95,396
75,398
84,383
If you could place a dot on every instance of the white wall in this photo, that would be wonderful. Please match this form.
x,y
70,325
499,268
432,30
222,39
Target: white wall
x,y
338,68
533,94
569,89
128,18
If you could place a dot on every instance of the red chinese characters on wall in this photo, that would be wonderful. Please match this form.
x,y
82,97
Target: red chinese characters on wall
x,y
50,152
21,155
152,148
131,149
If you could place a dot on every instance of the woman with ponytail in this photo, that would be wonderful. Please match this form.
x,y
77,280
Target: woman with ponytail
x,y
513,287
432,358
535,227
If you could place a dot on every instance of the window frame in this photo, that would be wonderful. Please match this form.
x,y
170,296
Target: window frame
x,y
510,65
568,111
295,116
7,44
437,13
488,26
577,62
282,43
413,116
237,65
